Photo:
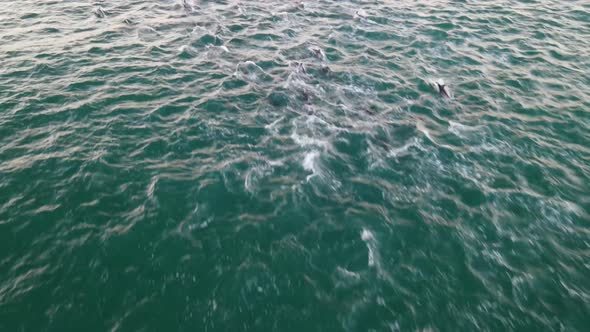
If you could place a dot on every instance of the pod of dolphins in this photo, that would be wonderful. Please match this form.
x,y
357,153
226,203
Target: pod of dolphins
x,y
440,86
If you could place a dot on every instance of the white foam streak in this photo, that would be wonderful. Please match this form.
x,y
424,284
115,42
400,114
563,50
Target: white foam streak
x,y
421,128
459,129
305,141
361,13
397,152
310,163
368,237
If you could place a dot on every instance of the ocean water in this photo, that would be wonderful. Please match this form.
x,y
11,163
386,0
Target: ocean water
x,y
290,166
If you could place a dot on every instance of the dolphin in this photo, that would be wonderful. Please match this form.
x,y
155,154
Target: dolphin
x,y
318,53
301,68
187,6
99,12
443,90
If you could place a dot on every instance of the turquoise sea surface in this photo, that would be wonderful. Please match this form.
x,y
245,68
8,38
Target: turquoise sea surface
x,y
291,166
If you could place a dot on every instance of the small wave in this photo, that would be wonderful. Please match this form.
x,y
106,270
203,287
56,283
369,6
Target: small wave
x,y
186,51
251,72
305,141
421,128
347,273
152,187
222,48
310,163
360,14
148,34
254,175
273,126
460,129
401,151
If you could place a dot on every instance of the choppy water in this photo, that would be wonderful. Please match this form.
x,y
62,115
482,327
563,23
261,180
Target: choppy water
x,y
276,166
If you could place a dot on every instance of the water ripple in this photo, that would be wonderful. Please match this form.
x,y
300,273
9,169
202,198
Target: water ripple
x,y
230,165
